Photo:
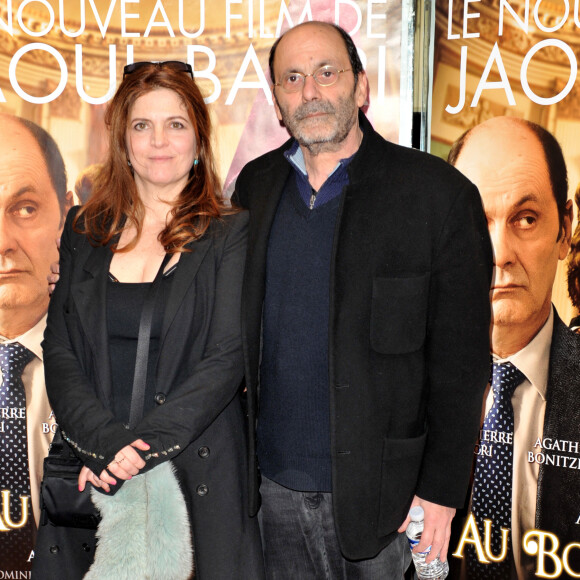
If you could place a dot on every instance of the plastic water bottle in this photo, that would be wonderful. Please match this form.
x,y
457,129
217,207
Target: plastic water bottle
x,y
435,570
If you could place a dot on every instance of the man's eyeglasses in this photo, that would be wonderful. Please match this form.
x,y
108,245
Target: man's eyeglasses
x,y
175,65
325,76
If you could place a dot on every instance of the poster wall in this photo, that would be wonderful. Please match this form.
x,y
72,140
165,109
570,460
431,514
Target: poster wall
x,y
60,63
518,59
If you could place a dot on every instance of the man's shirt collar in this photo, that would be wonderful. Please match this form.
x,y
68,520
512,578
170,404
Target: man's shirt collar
x,y
31,339
534,359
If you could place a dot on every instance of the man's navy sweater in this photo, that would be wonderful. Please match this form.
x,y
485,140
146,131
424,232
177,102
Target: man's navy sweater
x,y
294,419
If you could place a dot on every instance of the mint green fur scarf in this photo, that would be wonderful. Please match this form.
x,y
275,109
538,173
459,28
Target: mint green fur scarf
x,y
144,533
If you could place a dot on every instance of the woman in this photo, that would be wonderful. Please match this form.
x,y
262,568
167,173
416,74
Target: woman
x,y
157,193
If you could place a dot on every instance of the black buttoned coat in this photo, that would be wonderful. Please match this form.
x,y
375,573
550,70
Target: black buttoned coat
x,y
409,332
198,421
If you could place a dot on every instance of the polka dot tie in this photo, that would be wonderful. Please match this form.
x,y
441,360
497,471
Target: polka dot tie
x,y
492,485
16,542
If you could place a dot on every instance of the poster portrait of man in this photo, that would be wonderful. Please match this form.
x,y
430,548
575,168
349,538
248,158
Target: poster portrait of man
x,y
525,478
33,204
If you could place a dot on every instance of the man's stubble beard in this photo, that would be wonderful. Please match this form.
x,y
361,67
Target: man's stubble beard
x,y
326,138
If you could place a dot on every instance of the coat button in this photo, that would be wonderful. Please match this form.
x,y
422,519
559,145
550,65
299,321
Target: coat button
x,y
159,398
202,489
203,452
54,549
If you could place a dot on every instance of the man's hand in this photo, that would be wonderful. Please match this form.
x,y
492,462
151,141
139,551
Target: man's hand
x,y
437,529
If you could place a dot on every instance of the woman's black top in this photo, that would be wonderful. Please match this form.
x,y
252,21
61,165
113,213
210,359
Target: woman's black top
x,y
124,305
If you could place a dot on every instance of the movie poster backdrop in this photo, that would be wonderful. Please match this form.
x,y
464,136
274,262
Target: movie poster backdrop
x,y
517,58
60,63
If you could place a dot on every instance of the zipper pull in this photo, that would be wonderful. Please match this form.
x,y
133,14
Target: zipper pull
x,y
313,198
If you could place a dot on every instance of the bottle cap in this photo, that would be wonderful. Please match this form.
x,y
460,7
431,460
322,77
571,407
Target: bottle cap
x,y
416,513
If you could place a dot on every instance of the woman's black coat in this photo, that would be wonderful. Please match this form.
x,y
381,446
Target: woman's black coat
x,y
198,420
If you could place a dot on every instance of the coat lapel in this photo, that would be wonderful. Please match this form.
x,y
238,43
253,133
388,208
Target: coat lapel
x,y
89,296
184,277
263,206
262,213
187,268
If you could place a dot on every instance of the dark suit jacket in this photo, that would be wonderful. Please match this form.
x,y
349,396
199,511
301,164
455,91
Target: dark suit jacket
x,y
198,421
557,507
408,337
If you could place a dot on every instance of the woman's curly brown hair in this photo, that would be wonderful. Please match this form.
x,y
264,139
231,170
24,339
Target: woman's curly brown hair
x,y
115,202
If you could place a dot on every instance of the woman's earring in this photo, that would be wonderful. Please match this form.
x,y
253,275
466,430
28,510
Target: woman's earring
x,y
195,161
129,163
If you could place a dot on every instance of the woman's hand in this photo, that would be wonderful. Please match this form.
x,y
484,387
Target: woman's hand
x,y
86,475
127,462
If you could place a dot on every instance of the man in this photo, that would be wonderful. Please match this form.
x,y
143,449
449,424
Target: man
x,y
364,326
33,204
521,175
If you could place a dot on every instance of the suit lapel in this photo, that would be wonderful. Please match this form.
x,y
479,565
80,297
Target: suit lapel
x,y
561,421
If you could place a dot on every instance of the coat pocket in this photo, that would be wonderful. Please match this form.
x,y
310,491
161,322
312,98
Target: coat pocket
x,y
399,314
400,470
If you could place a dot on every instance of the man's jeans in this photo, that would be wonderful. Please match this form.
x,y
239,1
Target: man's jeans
x,y
300,542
